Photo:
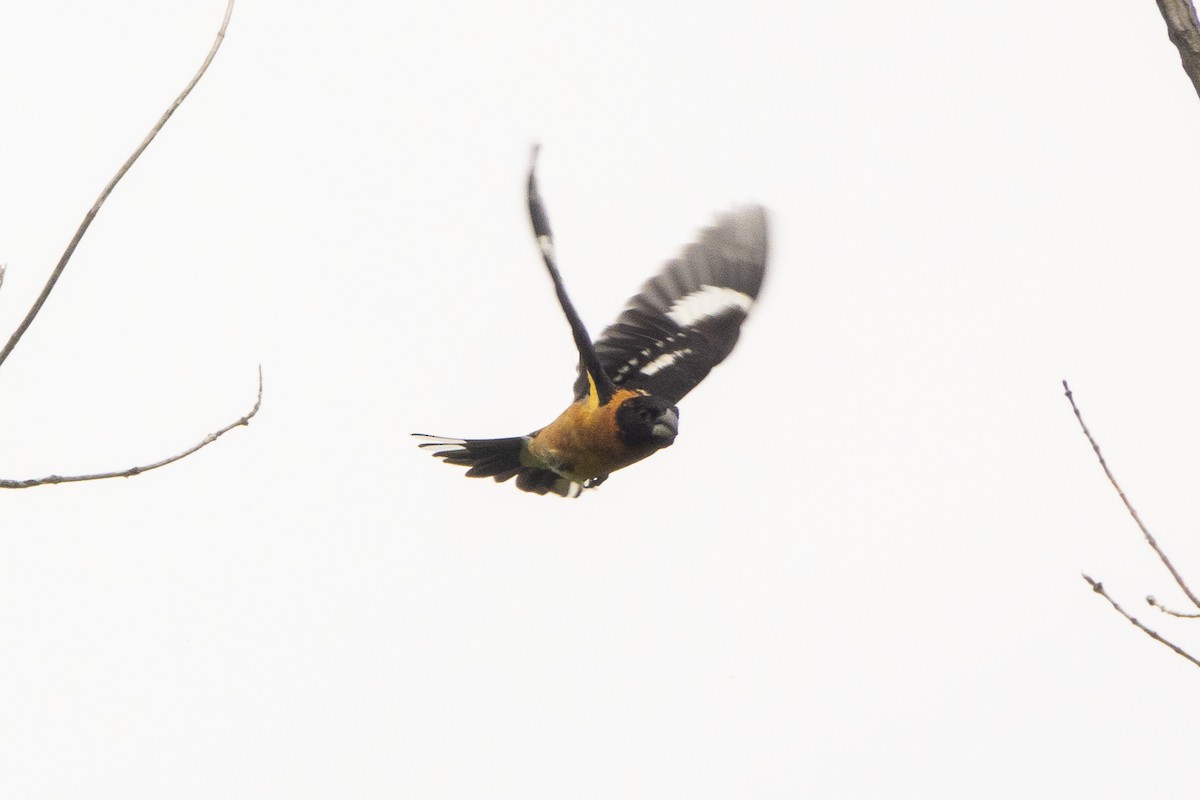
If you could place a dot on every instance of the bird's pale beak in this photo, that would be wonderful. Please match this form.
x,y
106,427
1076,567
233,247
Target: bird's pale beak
x,y
667,426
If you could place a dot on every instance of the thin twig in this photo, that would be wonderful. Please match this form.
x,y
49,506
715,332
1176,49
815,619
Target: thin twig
x,y
87,220
1098,588
3,267
1129,506
129,473
1181,614
1184,32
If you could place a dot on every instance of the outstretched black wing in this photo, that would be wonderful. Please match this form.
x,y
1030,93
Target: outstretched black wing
x,y
686,319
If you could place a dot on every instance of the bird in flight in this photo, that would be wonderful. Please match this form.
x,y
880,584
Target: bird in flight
x,y
682,323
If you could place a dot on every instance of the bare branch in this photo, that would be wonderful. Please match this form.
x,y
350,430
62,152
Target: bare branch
x,y
1184,30
62,263
129,473
87,220
3,267
1150,540
1181,614
1098,588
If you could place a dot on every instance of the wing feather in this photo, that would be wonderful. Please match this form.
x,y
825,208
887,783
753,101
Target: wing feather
x,y
687,318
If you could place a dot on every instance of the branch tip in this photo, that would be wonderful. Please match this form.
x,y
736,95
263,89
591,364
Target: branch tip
x,y
138,470
1099,589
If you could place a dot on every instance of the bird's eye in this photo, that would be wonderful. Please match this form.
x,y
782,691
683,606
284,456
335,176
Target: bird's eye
x,y
645,414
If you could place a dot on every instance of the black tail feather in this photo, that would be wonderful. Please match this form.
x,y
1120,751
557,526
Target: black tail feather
x,y
499,459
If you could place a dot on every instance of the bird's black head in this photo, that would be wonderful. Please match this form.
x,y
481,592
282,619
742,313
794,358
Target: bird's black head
x,y
647,420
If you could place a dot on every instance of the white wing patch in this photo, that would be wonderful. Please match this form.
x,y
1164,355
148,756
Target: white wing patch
x,y
707,301
664,361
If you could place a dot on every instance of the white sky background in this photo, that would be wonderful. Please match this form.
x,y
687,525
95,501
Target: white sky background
x,y
856,574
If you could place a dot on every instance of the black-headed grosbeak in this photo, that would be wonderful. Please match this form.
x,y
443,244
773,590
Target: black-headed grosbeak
x,y
683,322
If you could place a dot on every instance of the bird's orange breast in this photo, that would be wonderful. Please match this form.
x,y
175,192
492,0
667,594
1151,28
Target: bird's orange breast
x,y
584,441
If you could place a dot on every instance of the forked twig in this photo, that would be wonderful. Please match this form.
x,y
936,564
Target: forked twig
x,y
66,256
91,214
129,473
1150,540
1098,588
